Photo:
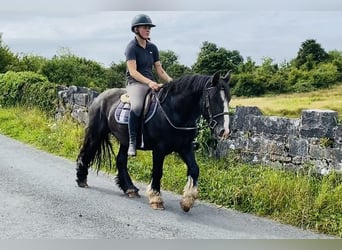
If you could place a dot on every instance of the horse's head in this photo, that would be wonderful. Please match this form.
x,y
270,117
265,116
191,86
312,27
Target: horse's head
x,y
216,103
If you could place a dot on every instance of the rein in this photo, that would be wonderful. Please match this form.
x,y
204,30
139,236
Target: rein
x,y
212,122
168,119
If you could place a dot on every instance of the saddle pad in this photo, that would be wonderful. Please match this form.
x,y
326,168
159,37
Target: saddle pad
x,y
122,111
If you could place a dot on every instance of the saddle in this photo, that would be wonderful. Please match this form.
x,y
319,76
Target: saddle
x,y
122,111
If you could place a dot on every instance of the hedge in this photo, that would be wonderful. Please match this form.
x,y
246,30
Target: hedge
x,y
27,89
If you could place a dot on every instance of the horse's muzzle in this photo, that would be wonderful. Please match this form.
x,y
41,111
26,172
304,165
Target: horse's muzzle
x,y
224,134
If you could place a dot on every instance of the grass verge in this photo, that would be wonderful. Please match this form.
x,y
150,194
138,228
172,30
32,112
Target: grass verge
x,y
296,198
291,105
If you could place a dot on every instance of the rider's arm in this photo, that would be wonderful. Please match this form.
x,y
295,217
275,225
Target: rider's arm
x,y
132,68
161,72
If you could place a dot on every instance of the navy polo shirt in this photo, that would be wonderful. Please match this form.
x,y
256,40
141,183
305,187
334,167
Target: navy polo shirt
x,y
145,58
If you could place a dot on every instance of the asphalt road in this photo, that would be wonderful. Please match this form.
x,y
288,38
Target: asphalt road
x,y
39,199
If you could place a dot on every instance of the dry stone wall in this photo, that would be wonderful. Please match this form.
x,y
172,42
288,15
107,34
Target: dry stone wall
x,y
75,100
313,140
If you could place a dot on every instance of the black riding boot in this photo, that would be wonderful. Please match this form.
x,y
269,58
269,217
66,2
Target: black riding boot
x,y
133,123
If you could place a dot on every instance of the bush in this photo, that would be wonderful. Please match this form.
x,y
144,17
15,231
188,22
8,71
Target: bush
x,y
248,85
27,89
7,58
68,69
324,75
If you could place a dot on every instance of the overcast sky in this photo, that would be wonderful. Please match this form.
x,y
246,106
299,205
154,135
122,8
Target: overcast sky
x,y
99,30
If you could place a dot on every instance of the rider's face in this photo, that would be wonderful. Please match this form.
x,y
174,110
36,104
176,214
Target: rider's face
x,y
144,31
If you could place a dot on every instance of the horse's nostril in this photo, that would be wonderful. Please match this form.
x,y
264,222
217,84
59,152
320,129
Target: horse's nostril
x,y
224,133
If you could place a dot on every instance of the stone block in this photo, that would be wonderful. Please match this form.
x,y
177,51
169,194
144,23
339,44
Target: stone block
x,y
276,148
274,125
298,146
334,155
81,99
337,133
240,120
297,160
316,152
254,144
80,114
318,123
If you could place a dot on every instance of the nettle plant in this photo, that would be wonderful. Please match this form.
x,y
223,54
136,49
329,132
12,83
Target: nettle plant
x,y
206,142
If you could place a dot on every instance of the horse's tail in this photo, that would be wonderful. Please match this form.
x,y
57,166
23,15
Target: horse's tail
x,y
97,147
104,149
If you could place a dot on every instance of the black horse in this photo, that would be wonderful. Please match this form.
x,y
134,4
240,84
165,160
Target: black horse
x,y
172,128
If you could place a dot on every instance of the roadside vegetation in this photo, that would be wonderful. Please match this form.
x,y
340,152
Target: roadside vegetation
x,y
299,198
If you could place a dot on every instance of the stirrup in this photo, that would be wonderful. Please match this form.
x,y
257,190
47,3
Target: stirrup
x,y
132,150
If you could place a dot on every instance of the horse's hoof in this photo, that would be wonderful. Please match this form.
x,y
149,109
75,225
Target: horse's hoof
x,y
186,206
157,206
82,184
132,193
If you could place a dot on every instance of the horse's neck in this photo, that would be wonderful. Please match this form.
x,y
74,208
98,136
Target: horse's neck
x,y
187,107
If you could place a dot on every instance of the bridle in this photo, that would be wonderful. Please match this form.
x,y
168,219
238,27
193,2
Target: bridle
x,y
212,122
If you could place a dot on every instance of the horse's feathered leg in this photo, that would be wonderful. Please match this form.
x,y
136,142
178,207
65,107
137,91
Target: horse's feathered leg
x,y
153,190
123,179
190,192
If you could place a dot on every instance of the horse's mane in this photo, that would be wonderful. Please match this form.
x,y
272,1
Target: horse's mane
x,y
186,83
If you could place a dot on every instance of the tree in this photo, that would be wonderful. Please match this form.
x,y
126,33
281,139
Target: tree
x,y
335,56
116,75
177,70
248,66
247,84
211,59
170,63
69,69
32,63
310,53
168,58
7,58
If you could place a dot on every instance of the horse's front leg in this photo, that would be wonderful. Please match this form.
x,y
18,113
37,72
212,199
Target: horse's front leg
x,y
153,189
190,192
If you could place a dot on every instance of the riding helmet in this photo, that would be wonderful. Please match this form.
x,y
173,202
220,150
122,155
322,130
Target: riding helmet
x,y
141,19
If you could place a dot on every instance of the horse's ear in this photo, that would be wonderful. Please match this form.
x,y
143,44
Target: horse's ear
x,y
226,78
215,78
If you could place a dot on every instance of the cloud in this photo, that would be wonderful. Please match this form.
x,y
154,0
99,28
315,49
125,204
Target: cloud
x,y
103,35
43,6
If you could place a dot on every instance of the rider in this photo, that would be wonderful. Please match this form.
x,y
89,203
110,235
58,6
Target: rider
x,y
141,57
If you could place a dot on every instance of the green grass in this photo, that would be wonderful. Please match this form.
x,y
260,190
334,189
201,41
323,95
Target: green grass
x,y
32,126
296,198
291,105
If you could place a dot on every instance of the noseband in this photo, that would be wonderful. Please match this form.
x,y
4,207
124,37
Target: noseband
x,y
212,122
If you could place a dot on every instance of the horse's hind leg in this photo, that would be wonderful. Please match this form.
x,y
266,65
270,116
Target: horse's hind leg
x,y
123,179
86,155
96,133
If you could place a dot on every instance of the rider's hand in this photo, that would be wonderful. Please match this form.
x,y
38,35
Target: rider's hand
x,y
153,85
